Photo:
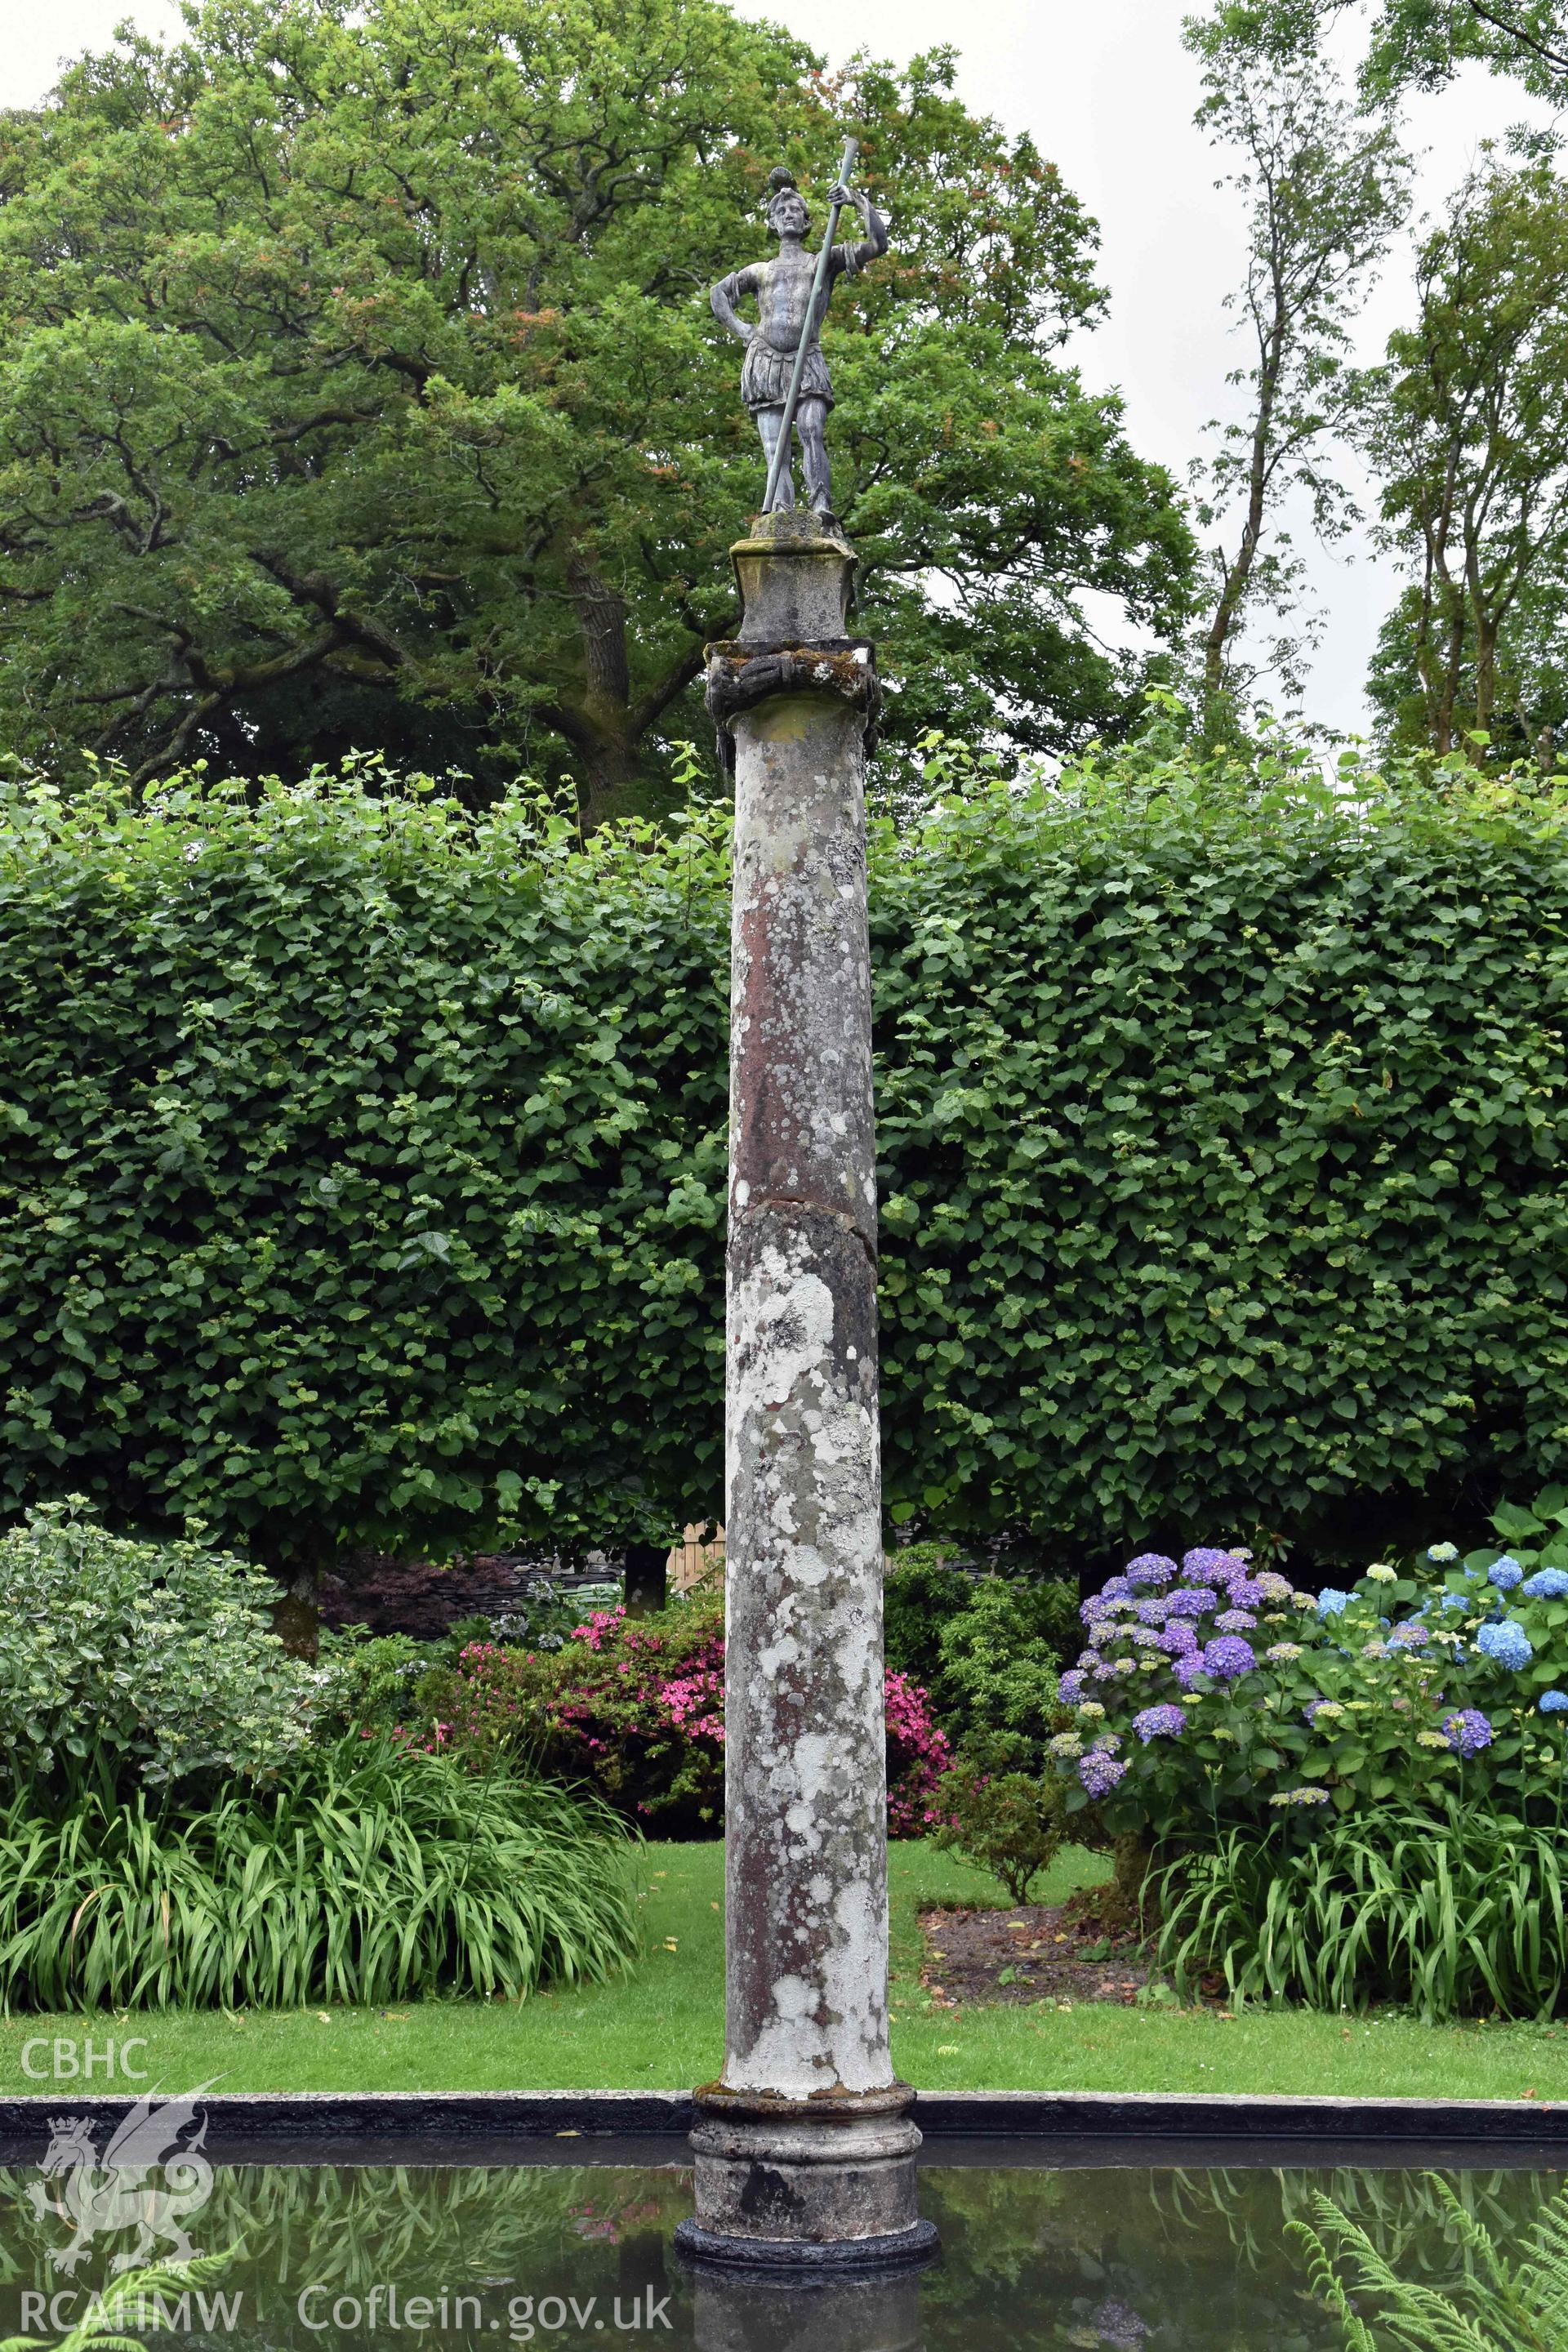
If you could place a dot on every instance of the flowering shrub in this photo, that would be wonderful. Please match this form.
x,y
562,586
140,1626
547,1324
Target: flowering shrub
x,y
637,1708
124,1660
1212,1694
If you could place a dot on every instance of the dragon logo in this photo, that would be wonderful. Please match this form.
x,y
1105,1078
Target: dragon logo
x,y
101,2196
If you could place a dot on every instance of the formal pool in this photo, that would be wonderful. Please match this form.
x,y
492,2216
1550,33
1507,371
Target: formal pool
x,y
568,2253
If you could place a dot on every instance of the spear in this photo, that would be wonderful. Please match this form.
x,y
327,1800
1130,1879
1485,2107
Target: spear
x,y
782,452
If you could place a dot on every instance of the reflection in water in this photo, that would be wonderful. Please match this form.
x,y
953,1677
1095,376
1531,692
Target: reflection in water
x,y
569,2256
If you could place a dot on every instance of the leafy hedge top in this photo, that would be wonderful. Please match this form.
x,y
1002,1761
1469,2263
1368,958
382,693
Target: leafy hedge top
x,y
364,1165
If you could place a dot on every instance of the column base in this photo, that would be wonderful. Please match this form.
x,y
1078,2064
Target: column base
x,y
890,2250
810,2185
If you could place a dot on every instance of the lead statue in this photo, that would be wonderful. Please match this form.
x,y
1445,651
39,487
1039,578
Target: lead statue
x,y
782,289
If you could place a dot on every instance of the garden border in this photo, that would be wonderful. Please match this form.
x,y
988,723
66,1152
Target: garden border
x,y
1066,2127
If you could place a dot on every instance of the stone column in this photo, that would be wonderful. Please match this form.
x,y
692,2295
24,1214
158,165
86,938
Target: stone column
x,y
805,2151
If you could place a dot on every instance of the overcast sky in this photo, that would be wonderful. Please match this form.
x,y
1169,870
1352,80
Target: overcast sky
x,y
1109,93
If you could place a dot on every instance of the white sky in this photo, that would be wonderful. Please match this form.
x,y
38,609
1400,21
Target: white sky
x,y
1107,92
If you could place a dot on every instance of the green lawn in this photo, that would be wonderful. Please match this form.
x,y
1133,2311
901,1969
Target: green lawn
x,y
662,2026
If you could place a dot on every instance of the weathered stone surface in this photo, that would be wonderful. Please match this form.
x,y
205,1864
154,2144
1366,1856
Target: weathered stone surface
x,y
805,2143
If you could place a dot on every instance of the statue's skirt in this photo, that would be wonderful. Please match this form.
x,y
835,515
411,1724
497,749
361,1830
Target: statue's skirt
x,y
764,379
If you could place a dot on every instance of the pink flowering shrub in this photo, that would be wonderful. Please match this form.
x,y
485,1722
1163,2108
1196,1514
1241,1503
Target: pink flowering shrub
x,y
636,1707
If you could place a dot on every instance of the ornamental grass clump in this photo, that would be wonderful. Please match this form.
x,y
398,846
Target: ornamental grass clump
x,y
364,1874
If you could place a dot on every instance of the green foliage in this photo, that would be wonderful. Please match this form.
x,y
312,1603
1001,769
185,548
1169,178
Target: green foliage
x,y
1497,2304
1453,1909
998,1673
1001,1818
365,1166
368,1681
360,388
147,2300
984,1648
1466,427
124,1660
366,1874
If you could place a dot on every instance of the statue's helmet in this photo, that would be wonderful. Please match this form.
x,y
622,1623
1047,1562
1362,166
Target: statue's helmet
x,y
782,191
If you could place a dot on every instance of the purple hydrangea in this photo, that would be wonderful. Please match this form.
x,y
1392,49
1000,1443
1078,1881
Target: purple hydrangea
x,y
1116,1587
1188,1602
1093,1612
1409,1636
1100,1772
1142,1637
1178,1639
1228,1658
1118,2325
1235,1620
1274,1587
1505,1573
1507,1643
1546,1584
1151,1613
1069,1690
1206,1566
1164,1722
1246,1592
1468,1731
1149,1568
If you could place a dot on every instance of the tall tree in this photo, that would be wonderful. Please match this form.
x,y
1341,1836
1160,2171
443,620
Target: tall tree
x,y
1420,44
1467,427
361,391
1325,189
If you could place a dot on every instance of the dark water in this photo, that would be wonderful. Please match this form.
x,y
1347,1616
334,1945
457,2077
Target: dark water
x,y
569,2256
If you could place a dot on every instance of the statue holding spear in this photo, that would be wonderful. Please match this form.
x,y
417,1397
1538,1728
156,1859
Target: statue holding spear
x,y
784,382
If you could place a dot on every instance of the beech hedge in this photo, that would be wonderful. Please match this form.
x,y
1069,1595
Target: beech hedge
x,y
364,1165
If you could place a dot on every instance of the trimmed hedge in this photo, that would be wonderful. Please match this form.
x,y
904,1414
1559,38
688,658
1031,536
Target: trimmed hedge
x,y
364,1176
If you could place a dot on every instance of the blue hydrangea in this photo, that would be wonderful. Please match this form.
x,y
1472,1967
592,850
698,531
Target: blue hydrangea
x,y
1332,1602
1507,1643
1164,1722
1246,1591
1468,1731
1100,1772
1205,1565
1454,1601
1554,1702
1228,1658
1546,1584
1505,1573
1177,1638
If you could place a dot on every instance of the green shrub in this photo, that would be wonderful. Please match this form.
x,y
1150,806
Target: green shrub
x,y
124,1661
984,1648
365,1161
1000,1815
366,1875
1454,1909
